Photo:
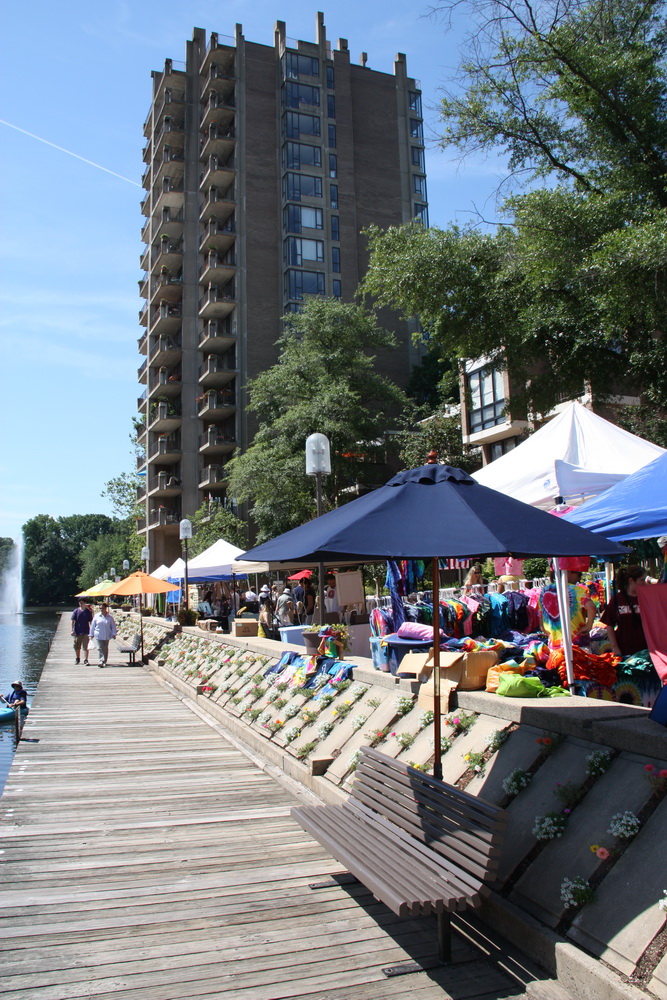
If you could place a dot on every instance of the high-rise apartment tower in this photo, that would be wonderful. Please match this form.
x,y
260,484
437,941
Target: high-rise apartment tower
x,y
263,166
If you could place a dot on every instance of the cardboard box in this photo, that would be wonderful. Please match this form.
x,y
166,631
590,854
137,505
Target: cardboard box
x,y
467,670
244,627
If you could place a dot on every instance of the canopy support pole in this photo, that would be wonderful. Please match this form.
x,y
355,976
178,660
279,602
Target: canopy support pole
x,y
141,625
437,718
562,589
607,580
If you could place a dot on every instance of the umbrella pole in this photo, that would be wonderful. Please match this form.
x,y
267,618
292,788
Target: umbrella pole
x,y
141,627
437,718
563,591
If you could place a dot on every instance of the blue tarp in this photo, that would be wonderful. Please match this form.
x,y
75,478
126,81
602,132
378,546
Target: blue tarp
x,y
635,508
434,511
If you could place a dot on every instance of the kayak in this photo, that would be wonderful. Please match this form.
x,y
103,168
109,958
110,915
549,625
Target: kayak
x,y
7,713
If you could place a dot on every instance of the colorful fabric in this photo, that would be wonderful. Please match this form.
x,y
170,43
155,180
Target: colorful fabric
x,y
551,622
587,666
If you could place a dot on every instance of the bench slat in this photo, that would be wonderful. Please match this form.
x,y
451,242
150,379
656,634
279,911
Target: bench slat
x,y
397,873
447,839
465,878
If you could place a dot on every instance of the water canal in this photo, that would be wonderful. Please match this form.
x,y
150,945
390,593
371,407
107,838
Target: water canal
x,y
24,644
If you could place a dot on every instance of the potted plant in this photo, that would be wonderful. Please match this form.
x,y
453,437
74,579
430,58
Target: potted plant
x,y
188,617
338,632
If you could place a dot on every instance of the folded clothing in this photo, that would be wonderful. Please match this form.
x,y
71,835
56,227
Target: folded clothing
x,y
421,633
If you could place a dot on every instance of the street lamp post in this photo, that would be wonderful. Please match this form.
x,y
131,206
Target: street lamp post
x,y
185,533
112,573
145,556
318,464
126,565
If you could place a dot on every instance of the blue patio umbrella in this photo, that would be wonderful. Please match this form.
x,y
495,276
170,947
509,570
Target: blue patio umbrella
x,y
431,512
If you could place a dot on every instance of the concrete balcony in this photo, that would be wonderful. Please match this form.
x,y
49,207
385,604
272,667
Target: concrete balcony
x,y
217,336
144,260
164,485
218,141
171,165
164,517
141,462
142,372
219,110
217,303
218,205
217,269
166,318
217,441
218,236
165,351
141,400
143,316
168,194
166,287
166,449
219,79
170,223
169,133
167,253
217,405
142,343
221,52
218,173
144,286
214,478
164,417
141,524
164,382
217,371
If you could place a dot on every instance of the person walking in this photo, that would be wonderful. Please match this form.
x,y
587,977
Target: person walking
x,y
309,602
81,619
103,628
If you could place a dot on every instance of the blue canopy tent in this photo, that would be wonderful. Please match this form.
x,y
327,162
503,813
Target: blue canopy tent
x,y
635,508
434,512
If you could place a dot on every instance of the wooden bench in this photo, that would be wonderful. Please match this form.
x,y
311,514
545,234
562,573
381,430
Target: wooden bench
x,y
419,845
130,647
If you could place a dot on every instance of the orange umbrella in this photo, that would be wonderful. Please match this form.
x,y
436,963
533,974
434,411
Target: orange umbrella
x,y
141,583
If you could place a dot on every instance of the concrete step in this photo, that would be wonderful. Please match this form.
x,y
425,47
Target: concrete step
x,y
546,989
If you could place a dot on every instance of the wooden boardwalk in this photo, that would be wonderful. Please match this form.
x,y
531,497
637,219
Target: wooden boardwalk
x,y
146,857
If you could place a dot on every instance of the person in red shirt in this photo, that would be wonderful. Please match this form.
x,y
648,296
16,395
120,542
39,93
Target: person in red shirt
x,y
622,617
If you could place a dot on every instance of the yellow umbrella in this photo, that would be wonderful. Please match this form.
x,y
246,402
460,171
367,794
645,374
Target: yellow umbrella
x,y
97,590
141,583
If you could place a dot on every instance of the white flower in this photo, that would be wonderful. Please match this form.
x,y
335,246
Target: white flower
x,y
575,891
291,711
403,704
353,760
663,902
549,827
426,718
357,690
357,721
324,729
598,762
624,825
291,733
515,782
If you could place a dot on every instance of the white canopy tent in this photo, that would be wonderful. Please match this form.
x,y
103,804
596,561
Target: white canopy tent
x,y
162,572
576,455
220,561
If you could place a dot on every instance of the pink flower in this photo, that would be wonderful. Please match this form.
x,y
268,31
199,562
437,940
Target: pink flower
x,y
392,734
602,853
663,773
649,768
456,721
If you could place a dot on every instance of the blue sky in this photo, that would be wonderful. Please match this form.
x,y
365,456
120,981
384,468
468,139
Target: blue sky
x,y
78,76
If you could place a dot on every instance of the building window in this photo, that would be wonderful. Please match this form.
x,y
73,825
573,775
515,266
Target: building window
x,y
297,155
333,196
296,65
337,288
500,448
296,186
487,399
332,136
300,283
297,250
417,155
421,213
298,217
335,260
333,165
419,185
415,101
331,106
416,128
335,228
330,77
295,125
296,94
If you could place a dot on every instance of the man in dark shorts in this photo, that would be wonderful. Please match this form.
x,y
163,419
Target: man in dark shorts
x,y
81,619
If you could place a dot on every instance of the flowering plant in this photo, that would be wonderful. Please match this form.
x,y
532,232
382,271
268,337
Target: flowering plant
x,y
445,744
353,760
376,736
598,762
291,733
516,781
291,711
575,891
357,721
475,761
549,827
600,852
403,704
624,825
426,718
662,903
460,722
499,737
657,778
404,740
357,690
324,729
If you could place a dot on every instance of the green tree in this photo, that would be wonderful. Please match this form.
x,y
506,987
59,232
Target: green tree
x,y
104,553
571,284
6,546
53,554
213,522
441,434
324,381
